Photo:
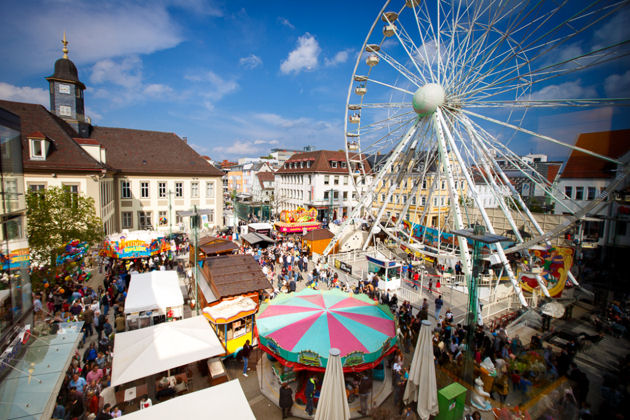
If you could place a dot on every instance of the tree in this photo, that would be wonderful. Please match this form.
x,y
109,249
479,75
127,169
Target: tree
x,y
57,216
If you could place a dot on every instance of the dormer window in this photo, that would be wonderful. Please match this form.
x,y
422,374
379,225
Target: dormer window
x,y
333,163
38,149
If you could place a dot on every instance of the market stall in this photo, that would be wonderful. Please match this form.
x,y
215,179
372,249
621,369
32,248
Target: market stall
x,y
225,401
144,352
152,298
135,244
233,321
317,240
299,220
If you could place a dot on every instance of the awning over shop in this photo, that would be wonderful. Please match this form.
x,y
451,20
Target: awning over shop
x,y
150,350
30,390
223,401
255,238
153,290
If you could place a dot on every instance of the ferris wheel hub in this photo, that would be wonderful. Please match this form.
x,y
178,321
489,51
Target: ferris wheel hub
x,y
428,98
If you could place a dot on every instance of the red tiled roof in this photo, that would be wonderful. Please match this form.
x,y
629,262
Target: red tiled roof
x,y
64,153
151,152
321,162
86,141
613,144
552,171
36,135
266,176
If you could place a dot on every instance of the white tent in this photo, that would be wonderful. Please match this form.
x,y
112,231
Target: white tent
x,y
333,403
150,350
421,385
224,401
153,291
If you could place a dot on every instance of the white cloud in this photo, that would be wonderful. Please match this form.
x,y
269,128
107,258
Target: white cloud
x,y
271,142
126,72
618,85
238,148
285,22
340,57
250,62
157,90
24,94
567,90
303,57
216,87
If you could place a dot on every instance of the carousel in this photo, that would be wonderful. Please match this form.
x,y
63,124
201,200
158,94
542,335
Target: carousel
x,y
298,330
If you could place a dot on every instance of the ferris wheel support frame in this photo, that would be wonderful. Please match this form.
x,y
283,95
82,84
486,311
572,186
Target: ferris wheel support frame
x,y
482,210
457,216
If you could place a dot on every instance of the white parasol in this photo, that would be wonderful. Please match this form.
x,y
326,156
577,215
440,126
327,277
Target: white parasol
x,y
422,373
333,403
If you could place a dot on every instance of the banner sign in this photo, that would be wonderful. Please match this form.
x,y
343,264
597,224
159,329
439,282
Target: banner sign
x,y
134,248
18,258
347,268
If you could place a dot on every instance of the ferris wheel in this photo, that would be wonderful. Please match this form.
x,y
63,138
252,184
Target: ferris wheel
x,y
443,95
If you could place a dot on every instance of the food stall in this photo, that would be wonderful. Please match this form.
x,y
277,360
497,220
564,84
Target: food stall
x,y
317,240
153,298
299,220
233,320
388,271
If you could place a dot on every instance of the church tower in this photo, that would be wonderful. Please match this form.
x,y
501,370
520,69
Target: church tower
x,y
66,93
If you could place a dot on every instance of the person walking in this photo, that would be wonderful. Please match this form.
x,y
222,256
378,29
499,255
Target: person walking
x,y
438,306
309,393
286,400
365,387
245,352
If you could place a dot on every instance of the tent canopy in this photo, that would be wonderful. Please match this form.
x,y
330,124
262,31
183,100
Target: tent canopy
x,y
254,238
223,401
150,350
153,290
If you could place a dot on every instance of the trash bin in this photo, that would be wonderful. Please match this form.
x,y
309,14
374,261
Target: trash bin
x,y
451,401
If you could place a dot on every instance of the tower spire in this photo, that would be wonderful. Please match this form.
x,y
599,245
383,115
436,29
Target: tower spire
x,y
65,45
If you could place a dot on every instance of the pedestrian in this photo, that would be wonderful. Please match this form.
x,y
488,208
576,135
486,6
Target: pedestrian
x,y
286,399
365,387
438,306
245,352
431,285
145,402
309,393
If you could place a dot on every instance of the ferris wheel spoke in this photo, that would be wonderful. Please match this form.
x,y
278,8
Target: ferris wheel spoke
x,y
551,103
404,71
405,105
387,85
543,137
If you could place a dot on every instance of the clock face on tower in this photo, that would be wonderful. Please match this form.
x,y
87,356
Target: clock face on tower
x,y
63,88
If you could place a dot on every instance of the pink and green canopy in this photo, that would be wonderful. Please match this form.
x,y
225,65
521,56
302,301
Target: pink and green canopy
x,y
301,328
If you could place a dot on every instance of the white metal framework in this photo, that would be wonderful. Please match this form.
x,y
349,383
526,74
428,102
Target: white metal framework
x,y
445,92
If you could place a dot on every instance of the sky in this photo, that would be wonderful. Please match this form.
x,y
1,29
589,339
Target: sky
x,y
236,78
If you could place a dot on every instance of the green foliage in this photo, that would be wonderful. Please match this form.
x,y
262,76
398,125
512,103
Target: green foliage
x,y
57,216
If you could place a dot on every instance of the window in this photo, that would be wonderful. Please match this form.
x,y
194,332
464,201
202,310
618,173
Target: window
x,y
127,220
345,180
179,189
568,191
592,192
326,195
37,187
333,164
326,179
336,195
383,197
343,164
435,201
336,180
424,184
125,189
162,189
162,220
194,189
579,193
443,185
73,189
308,164
144,190
63,88
38,151
424,201
144,219
413,200
345,195
210,189
65,110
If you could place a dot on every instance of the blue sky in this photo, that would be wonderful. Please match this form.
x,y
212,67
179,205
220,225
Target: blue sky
x,y
235,77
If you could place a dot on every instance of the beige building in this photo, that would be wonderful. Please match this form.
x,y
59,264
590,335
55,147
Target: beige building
x,y
138,179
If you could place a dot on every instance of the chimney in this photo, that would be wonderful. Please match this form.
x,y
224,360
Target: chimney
x,y
185,139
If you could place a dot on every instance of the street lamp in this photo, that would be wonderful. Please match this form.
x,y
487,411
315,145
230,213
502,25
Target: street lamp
x,y
195,219
479,237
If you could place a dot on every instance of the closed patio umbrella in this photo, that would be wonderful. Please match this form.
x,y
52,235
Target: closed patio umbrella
x,y
421,385
333,403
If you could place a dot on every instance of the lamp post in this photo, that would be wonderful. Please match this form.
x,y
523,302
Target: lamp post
x,y
479,237
195,219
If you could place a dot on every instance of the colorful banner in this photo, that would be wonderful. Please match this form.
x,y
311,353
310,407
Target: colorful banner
x,y
556,262
299,215
296,227
18,258
134,248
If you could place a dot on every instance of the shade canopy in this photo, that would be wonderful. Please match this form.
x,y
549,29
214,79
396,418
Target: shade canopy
x,y
223,401
302,327
150,350
553,309
333,402
421,385
153,290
